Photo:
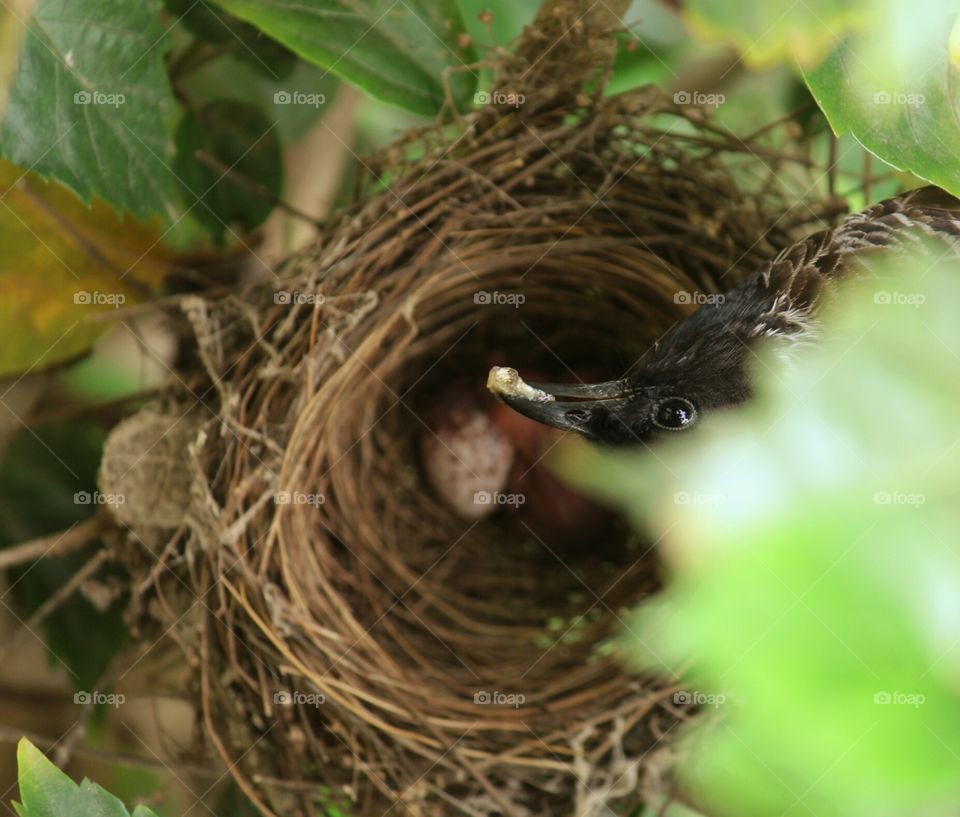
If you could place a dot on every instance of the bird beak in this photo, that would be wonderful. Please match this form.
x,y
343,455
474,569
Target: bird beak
x,y
539,402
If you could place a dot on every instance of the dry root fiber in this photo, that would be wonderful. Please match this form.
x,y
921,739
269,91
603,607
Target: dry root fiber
x,y
352,640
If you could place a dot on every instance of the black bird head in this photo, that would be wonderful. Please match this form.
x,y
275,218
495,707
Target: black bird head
x,y
700,366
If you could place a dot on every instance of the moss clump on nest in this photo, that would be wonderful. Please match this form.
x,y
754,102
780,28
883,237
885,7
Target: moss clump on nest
x,y
328,572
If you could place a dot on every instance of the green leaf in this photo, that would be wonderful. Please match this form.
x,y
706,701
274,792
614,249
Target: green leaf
x,y
240,138
813,540
45,791
402,53
90,101
896,89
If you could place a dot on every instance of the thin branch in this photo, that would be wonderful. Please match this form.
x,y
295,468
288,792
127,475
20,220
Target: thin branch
x,y
58,544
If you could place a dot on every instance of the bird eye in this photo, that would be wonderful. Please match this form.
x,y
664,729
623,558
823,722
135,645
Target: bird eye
x,y
674,414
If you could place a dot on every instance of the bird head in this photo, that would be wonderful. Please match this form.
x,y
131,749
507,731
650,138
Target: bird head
x,y
699,367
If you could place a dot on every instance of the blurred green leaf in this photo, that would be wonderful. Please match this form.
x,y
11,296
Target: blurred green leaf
x,y
45,791
779,29
241,40
814,540
90,102
896,88
243,143
401,54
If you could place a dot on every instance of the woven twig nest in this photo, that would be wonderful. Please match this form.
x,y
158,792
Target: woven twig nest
x,y
315,565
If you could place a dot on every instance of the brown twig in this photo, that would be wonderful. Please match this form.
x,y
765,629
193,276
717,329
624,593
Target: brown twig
x,y
53,546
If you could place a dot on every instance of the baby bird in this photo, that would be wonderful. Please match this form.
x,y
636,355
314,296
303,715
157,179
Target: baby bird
x,y
702,363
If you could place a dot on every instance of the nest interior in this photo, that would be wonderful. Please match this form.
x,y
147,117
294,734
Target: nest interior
x,y
383,615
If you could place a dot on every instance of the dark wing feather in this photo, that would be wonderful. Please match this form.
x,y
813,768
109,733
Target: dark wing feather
x,y
795,280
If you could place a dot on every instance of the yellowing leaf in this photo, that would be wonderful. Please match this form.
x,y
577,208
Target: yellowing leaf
x,y
63,266
953,45
13,17
771,31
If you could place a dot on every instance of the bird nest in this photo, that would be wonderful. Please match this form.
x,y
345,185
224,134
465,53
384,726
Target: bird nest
x,y
351,639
